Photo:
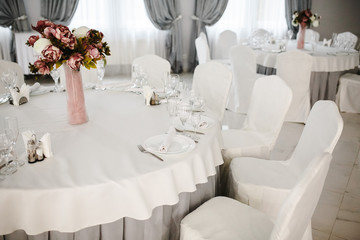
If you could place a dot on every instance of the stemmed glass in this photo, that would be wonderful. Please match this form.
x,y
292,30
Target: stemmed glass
x,y
5,148
195,119
55,76
184,113
100,74
11,123
9,80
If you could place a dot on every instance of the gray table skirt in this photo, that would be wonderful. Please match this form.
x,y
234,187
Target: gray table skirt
x,y
164,223
323,85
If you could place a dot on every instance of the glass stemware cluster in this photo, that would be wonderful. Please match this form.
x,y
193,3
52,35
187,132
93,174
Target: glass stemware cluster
x,y
8,137
139,76
8,79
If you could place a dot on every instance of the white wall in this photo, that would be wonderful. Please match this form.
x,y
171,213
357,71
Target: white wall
x,y
337,16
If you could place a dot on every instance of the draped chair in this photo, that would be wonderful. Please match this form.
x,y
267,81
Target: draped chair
x,y
294,67
222,218
243,65
226,40
212,81
264,184
270,100
154,67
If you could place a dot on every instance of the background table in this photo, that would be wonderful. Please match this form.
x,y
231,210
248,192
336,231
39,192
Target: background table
x,y
98,175
329,64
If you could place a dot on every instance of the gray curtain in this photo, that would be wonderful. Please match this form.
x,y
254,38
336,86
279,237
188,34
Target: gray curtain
x,y
295,5
59,12
164,14
207,13
13,16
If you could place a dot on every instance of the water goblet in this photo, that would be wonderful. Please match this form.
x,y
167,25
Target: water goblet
x,y
184,113
172,109
5,148
11,123
100,74
195,119
55,76
9,82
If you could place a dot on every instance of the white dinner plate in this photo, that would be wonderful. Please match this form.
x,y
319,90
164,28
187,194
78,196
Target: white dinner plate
x,y
205,122
179,144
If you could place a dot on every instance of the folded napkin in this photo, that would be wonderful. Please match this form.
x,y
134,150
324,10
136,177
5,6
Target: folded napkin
x,y
147,92
37,149
37,89
20,96
34,87
327,42
164,146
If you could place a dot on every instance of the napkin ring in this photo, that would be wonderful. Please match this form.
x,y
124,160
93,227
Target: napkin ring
x,y
154,99
22,99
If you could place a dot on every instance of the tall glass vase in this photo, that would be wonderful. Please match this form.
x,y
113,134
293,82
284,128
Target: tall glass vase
x,y
76,109
301,37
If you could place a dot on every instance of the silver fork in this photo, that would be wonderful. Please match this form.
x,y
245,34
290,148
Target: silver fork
x,y
142,149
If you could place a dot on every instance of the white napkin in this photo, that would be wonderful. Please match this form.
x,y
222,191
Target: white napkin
x,y
43,145
37,89
327,42
24,93
148,92
164,146
34,87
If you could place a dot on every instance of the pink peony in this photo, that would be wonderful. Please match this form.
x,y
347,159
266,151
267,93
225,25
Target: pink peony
x,y
32,40
42,24
48,31
42,67
92,52
51,53
75,61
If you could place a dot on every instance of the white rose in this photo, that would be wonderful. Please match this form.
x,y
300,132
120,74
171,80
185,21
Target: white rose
x,y
81,32
40,44
315,23
312,18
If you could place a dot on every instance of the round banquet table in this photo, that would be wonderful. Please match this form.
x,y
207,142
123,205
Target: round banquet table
x,y
98,185
328,65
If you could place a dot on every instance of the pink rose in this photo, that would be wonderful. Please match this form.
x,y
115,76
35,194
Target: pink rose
x,y
32,40
61,31
41,67
92,52
51,53
75,61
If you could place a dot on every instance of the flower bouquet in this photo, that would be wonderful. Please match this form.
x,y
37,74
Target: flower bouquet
x,y
305,19
58,46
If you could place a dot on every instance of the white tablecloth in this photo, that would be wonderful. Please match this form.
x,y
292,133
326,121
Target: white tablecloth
x,y
97,174
326,59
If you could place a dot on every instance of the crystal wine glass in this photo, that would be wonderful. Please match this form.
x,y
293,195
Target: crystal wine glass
x,y
9,82
184,113
100,74
5,148
195,119
55,76
11,123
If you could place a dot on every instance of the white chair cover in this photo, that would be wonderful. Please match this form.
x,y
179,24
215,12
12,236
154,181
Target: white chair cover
x,y
265,184
202,49
348,97
310,35
226,40
294,67
5,66
346,37
223,218
243,64
212,81
270,100
154,66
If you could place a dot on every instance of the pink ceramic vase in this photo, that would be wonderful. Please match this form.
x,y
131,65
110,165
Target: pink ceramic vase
x,y
301,37
75,96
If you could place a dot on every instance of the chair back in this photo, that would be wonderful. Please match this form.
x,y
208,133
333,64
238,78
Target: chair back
x,y
243,64
226,40
212,81
346,38
321,133
154,67
5,66
270,100
300,205
202,49
294,67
